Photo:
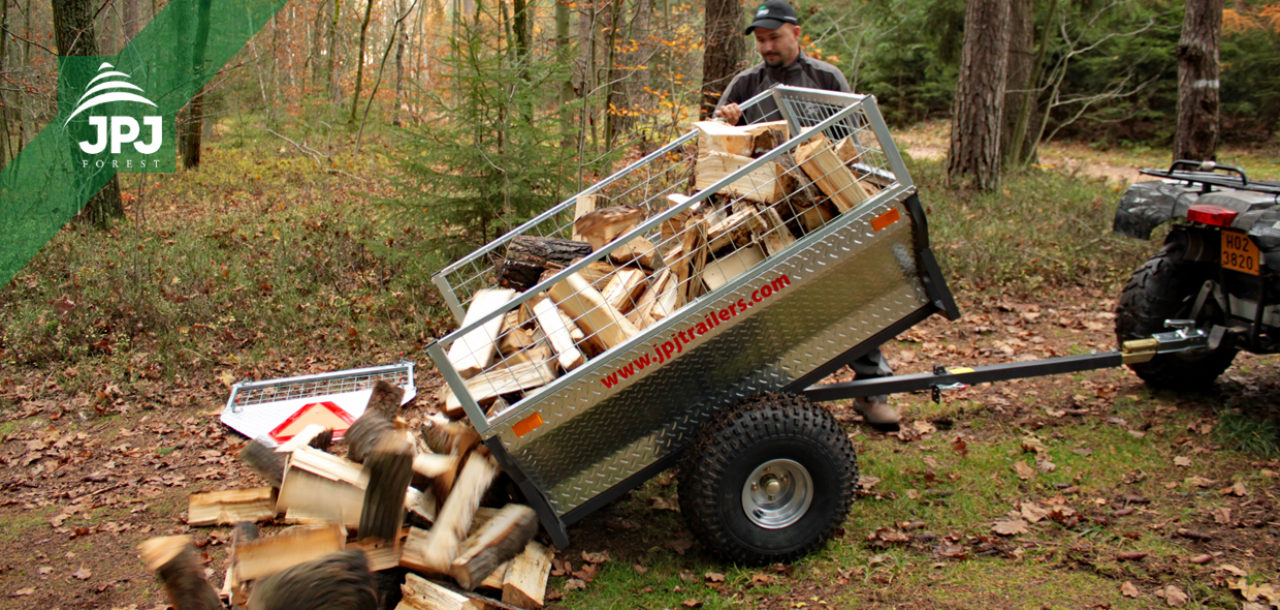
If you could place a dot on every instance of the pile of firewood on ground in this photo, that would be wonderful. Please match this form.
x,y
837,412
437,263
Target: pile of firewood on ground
x,y
646,279
398,520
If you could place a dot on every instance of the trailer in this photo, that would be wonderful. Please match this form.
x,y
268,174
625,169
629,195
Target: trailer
x,y
722,379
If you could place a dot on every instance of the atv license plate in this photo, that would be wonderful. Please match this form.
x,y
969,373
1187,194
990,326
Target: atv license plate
x,y
1239,253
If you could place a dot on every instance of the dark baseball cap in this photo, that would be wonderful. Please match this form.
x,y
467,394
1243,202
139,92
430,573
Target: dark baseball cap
x,y
772,14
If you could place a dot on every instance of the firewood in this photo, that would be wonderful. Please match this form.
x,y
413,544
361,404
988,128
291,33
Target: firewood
x,y
822,165
500,539
385,399
230,506
320,487
472,352
388,469
448,437
554,326
775,236
605,327
846,150
503,380
718,272
762,184
264,460
496,577
598,273
586,204
234,591
174,560
812,218
693,258
768,136
422,594
623,289
526,582
602,226
445,538
365,433
271,554
643,314
313,435
637,250
336,580
380,554
735,229
672,226
718,136
528,257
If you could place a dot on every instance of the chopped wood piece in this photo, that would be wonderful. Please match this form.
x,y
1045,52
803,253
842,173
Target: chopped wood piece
x,y
385,398
643,315
270,554
528,257
621,291
229,506
846,150
494,579
526,582
768,136
718,136
432,465
422,594
814,217
718,272
444,540
598,273
365,433
761,184
822,165
637,250
671,226
496,382
500,539
735,229
556,328
174,560
259,455
604,325
309,435
472,352
389,469
602,226
338,580
235,591
319,487
449,437
381,555
775,235
586,204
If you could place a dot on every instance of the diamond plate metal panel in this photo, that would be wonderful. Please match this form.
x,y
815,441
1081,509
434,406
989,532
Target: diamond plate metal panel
x,y
847,285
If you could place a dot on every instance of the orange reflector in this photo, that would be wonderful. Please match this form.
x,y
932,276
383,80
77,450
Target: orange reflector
x,y
880,222
1212,215
527,425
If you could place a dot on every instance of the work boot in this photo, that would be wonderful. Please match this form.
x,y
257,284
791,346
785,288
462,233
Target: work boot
x,y
877,411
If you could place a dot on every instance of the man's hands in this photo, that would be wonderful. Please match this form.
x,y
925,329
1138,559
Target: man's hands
x,y
730,113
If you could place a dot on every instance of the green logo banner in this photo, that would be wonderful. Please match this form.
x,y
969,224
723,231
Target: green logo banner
x,y
117,114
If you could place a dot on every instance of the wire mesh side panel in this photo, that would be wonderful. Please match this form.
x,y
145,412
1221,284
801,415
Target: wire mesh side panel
x,y
247,394
671,231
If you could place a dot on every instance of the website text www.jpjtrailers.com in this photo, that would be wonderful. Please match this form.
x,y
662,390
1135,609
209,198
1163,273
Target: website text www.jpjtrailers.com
x,y
681,339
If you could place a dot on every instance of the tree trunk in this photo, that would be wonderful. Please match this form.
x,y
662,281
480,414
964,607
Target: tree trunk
x,y
975,128
335,92
73,33
1018,97
191,127
129,23
1196,137
5,145
724,48
564,52
399,33
364,30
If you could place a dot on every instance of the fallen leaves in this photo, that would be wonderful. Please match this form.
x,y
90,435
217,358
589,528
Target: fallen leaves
x,y
1130,556
1238,490
1173,596
82,574
1023,471
1128,589
1182,461
1010,527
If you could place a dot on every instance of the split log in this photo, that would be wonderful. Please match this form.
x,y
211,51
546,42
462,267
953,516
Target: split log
x,y
643,314
472,352
557,330
637,250
605,327
621,291
448,437
822,165
230,506
604,225
846,150
734,230
389,469
174,560
526,582
598,273
442,543
718,136
491,384
312,435
422,594
718,272
381,555
235,592
386,397
271,554
496,577
775,235
319,487
768,136
528,257
586,204
337,580
264,460
500,539
762,184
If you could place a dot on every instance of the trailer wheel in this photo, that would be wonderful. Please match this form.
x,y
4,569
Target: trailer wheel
x,y
768,480
1163,288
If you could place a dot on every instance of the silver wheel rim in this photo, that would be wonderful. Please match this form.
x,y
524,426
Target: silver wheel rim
x,y
777,494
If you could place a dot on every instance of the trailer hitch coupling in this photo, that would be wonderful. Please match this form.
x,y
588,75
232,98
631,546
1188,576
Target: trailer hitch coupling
x,y
1184,337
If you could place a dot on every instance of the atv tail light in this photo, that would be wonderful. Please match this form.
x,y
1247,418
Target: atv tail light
x,y
1212,215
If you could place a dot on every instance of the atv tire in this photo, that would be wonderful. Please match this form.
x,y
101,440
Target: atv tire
x,y
1164,288
768,480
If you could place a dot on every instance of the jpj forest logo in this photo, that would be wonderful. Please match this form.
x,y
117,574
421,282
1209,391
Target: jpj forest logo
x,y
113,123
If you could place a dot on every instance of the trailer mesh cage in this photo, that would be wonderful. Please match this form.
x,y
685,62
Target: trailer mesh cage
x,y
713,268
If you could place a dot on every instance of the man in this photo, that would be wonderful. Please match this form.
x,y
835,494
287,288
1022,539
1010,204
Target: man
x,y
777,33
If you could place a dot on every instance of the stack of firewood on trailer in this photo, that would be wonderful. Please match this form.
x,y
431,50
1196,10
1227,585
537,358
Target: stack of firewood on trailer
x,y
647,278
401,516
406,514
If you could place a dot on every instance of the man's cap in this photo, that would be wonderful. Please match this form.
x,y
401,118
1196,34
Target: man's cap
x,y
772,14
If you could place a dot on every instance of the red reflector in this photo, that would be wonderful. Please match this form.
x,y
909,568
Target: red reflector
x,y
1212,215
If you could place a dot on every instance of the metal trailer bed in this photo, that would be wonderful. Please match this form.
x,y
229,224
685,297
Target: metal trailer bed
x,y
833,295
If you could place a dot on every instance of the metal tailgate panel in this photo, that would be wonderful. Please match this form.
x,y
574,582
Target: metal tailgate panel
x,y
845,286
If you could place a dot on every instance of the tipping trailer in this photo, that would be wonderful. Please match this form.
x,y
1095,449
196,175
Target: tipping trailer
x,y
724,383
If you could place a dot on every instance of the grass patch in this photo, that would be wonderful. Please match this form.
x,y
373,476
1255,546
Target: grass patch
x,y
1248,432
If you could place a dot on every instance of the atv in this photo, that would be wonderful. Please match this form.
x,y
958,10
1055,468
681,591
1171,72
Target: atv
x,y
1217,274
